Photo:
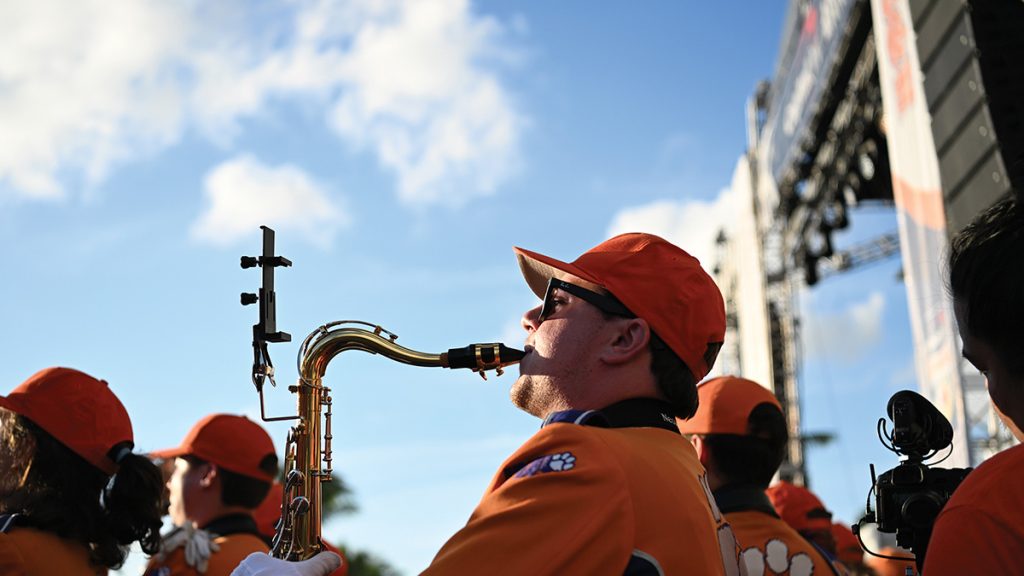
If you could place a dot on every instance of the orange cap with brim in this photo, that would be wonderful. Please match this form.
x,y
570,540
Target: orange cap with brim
x,y
232,442
799,507
725,406
79,411
657,281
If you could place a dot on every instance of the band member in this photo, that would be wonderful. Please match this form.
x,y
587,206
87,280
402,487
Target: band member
x,y
980,530
222,472
73,495
740,436
608,485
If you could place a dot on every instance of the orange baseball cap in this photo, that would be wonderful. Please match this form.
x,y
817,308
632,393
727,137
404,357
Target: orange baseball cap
x,y
232,442
799,507
657,281
848,549
725,406
79,411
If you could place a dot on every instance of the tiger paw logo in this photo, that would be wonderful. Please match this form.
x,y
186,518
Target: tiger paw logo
x,y
563,461
775,560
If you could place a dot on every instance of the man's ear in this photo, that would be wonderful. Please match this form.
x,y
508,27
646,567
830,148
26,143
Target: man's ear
x,y
698,445
630,339
210,474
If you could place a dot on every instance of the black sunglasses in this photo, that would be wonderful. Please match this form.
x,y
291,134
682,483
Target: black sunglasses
x,y
603,302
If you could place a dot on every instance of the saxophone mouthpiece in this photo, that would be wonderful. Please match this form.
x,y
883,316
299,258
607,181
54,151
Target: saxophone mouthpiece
x,y
482,357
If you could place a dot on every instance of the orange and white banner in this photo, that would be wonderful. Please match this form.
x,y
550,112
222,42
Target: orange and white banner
x,y
922,223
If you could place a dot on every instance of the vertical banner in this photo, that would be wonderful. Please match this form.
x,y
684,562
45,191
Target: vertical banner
x,y
922,223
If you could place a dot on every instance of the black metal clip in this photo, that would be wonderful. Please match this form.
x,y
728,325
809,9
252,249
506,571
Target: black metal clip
x,y
266,330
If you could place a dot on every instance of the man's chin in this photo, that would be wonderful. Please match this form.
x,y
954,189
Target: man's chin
x,y
523,396
517,393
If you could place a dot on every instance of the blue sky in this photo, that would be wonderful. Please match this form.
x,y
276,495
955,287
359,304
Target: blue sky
x,y
400,149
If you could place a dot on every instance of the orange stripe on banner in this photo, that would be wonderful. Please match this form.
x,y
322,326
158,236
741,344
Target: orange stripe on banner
x,y
923,206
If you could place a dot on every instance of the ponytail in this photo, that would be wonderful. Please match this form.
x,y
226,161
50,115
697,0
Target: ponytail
x,y
132,503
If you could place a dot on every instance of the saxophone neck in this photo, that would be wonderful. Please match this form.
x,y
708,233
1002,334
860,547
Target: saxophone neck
x,y
330,340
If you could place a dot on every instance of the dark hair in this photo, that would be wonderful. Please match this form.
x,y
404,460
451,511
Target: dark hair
x,y
241,490
986,278
675,380
64,494
755,457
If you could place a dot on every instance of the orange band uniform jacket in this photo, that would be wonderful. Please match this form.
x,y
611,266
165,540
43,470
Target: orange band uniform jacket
x,y
618,491
981,528
768,545
26,551
237,537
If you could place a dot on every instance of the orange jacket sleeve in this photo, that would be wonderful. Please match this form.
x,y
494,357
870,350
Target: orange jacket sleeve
x,y
11,561
552,515
969,541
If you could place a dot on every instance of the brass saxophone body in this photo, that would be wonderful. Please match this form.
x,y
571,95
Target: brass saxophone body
x,y
307,462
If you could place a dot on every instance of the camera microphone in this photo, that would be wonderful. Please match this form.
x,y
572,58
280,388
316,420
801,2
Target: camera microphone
x,y
918,426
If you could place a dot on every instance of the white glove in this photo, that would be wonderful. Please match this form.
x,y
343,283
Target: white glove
x,y
260,564
199,545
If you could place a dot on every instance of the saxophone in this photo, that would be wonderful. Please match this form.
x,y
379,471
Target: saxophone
x,y
307,461
298,531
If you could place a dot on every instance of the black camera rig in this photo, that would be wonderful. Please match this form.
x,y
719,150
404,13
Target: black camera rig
x,y
909,497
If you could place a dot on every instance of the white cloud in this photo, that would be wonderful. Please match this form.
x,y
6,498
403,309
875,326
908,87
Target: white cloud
x,y
845,336
84,86
94,83
690,224
436,117
243,194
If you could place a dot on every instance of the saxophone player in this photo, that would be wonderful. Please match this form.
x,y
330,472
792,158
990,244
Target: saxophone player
x,y
608,485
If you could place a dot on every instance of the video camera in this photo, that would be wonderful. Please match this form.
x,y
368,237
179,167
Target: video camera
x,y
909,497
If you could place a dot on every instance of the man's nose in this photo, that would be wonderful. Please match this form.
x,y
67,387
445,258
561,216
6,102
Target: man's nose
x,y
531,319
